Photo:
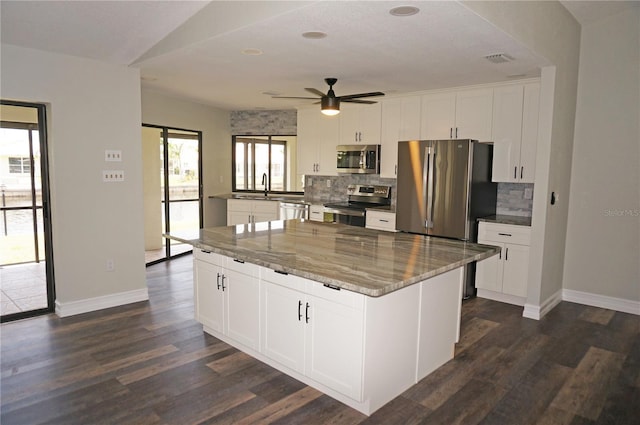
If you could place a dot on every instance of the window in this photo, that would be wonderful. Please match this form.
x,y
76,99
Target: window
x,y
254,156
18,165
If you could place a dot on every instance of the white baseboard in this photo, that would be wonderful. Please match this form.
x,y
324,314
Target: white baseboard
x,y
602,301
499,296
537,312
98,303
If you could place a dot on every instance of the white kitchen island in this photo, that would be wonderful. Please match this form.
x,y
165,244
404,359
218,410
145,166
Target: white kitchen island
x,y
358,314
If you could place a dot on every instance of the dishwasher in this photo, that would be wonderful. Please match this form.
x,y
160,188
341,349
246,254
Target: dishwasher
x,y
289,210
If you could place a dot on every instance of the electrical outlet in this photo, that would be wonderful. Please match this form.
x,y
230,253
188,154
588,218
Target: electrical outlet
x,y
310,181
110,265
113,155
328,182
110,176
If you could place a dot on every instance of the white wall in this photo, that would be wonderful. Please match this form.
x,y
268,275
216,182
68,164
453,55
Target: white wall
x,y
548,29
603,235
159,109
92,106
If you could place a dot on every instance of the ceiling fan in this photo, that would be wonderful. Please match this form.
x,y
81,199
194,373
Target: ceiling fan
x,y
330,103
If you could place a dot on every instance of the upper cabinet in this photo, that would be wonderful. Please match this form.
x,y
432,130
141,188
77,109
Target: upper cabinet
x,y
515,132
318,136
400,121
360,124
462,114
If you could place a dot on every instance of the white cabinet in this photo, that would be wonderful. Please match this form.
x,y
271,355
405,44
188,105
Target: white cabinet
x,y
244,211
316,331
381,220
360,124
463,114
227,297
504,277
316,212
317,138
515,132
400,121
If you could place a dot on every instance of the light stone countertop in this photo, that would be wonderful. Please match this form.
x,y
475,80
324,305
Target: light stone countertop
x,y
507,219
366,261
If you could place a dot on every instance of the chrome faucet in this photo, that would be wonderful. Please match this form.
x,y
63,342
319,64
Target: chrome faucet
x,y
264,183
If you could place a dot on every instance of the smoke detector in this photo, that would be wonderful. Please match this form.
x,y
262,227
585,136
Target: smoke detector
x,y
499,58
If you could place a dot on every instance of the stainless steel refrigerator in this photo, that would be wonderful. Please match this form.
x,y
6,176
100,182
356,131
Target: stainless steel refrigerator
x,y
443,187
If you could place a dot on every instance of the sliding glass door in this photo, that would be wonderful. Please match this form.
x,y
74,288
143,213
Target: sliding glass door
x,y
172,187
26,267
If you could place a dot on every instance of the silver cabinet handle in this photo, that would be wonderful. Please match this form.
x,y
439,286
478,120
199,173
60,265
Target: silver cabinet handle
x,y
515,171
223,278
521,172
506,257
450,132
218,281
383,220
456,132
504,234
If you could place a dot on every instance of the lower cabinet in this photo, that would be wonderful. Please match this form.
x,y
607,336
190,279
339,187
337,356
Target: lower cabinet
x,y
504,277
242,211
227,297
381,220
319,337
334,340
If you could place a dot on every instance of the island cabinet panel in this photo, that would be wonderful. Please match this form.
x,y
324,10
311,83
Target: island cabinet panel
x,y
227,297
283,325
441,303
319,336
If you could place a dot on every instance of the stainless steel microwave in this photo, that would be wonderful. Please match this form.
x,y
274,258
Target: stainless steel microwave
x,y
358,159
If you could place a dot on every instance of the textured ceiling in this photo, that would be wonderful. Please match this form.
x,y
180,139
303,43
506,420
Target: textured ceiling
x,y
194,49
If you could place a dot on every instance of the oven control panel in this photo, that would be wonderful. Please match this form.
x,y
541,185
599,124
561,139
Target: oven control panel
x,y
367,190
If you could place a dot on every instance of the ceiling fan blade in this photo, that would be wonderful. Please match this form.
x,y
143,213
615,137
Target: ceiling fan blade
x,y
293,97
368,102
315,91
356,96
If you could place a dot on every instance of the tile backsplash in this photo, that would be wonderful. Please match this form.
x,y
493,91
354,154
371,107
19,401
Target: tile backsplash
x,y
321,189
512,199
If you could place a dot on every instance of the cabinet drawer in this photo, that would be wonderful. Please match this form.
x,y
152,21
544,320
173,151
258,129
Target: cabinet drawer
x,y
239,205
243,267
337,295
381,220
209,257
316,212
290,281
506,233
266,207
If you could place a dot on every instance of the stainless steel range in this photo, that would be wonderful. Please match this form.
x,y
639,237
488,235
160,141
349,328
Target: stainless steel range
x,y
360,197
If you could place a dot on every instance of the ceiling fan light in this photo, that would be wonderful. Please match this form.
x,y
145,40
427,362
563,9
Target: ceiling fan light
x,y
330,105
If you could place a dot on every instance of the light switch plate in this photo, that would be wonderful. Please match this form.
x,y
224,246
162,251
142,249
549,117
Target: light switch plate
x,y
113,155
528,193
110,176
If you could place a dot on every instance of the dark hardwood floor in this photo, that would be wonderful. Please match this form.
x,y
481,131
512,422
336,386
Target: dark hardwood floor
x,y
150,363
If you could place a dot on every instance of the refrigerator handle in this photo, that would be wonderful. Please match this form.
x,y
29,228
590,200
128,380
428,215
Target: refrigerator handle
x,y
429,155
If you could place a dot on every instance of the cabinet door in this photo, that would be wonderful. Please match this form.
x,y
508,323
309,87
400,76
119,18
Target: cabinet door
x,y
391,124
265,211
283,325
328,133
529,132
507,133
242,308
209,299
400,121
238,217
369,124
307,148
489,271
316,212
334,346
438,116
349,119
516,268
474,109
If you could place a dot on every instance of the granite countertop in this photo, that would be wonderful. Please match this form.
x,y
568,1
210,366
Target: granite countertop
x,y
507,219
250,196
357,259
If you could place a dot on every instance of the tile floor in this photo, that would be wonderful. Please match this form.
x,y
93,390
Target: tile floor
x,y
23,287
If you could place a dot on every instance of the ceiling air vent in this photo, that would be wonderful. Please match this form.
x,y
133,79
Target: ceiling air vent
x,y
499,58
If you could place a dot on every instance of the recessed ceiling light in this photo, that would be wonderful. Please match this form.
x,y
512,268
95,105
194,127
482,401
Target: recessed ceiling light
x,y
404,11
252,52
314,35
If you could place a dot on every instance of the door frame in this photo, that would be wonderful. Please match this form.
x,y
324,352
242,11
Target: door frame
x,y
46,213
166,130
